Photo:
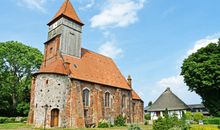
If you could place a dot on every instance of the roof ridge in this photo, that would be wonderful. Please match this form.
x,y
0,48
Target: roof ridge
x,y
97,53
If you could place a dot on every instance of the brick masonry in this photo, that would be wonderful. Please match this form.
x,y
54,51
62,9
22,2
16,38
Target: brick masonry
x,y
65,94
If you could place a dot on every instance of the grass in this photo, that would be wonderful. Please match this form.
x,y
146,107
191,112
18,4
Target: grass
x,y
22,126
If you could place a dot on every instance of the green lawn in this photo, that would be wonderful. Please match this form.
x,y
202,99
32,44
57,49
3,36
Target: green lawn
x,y
22,126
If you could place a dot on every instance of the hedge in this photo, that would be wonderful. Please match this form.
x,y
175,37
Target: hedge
x,y
12,119
212,120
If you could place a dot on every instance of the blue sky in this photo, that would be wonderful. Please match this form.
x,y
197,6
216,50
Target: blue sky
x,y
148,39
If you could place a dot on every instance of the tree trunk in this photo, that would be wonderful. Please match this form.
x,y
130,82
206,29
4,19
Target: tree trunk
x,y
14,102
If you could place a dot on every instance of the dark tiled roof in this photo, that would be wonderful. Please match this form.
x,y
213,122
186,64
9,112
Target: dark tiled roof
x,y
168,100
196,106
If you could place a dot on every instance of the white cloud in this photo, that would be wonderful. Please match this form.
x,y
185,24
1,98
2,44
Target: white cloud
x,y
203,43
110,49
34,4
87,4
117,13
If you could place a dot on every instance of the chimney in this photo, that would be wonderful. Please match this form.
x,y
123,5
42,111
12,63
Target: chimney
x,y
129,81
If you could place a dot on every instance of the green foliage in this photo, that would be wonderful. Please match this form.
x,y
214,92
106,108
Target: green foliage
x,y
201,127
150,103
198,116
147,116
120,121
17,63
169,122
189,115
134,127
3,119
201,72
12,119
103,124
212,120
23,108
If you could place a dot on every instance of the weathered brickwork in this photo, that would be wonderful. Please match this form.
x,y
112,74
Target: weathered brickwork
x,y
137,111
65,94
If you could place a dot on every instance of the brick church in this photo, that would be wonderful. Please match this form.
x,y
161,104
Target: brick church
x,y
75,87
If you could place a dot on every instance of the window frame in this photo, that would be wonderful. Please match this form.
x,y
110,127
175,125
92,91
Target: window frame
x,y
107,99
86,97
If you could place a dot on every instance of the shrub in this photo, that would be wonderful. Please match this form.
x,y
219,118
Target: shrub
x,y
147,116
120,121
103,124
12,119
200,127
212,120
170,122
189,116
3,119
198,116
134,127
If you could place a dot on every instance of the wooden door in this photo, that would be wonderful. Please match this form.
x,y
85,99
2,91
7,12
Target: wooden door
x,y
54,118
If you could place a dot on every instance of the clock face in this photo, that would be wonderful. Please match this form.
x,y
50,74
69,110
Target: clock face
x,y
54,25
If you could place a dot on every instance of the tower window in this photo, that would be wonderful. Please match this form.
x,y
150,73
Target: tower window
x,y
51,49
107,99
86,97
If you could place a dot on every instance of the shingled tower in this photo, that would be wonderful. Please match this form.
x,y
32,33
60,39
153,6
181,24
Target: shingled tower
x,y
67,23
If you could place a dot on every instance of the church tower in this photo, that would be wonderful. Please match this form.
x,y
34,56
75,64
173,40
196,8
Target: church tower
x,y
68,25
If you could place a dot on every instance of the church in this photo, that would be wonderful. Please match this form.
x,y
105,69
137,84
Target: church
x,y
76,87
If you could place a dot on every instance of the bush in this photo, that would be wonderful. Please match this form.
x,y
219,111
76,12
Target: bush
x,y
3,119
170,122
200,127
147,116
189,115
12,119
134,127
212,120
198,116
103,124
120,121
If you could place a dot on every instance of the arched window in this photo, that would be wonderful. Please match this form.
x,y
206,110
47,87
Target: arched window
x,y
123,103
86,97
107,99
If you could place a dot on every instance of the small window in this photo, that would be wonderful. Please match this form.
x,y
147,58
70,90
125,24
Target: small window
x,y
107,99
86,97
51,49
47,81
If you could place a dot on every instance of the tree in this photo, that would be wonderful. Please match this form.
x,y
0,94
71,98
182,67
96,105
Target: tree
x,y
198,116
150,103
201,72
17,63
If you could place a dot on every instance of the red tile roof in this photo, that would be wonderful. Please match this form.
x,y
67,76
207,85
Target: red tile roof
x,y
135,95
91,67
68,11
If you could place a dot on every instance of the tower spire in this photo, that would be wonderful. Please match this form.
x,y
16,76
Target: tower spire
x,y
66,10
